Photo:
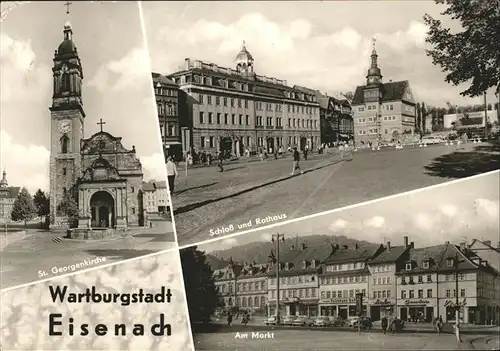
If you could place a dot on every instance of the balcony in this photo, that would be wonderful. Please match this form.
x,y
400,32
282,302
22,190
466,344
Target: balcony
x,y
269,127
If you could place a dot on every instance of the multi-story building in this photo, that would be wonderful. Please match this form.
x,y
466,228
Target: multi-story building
x,y
167,105
485,250
252,287
382,297
382,111
299,270
344,274
236,111
427,285
8,195
225,280
155,197
336,119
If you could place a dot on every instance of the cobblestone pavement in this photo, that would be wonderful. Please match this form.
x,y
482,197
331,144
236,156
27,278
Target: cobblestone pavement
x,y
44,251
311,340
204,202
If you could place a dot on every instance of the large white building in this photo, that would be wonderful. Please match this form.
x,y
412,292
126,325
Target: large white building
x,y
156,198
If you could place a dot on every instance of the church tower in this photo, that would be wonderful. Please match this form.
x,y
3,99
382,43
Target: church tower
x,y
374,76
67,122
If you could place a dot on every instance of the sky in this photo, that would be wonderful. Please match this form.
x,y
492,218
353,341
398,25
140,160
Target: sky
x,y
322,45
117,83
455,212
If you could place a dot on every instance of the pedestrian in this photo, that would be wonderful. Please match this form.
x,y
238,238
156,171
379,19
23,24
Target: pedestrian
x,y
384,324
220,158
280,151
305,153
275,154
171,174
394,325
341,150
439,324
229,319
296,159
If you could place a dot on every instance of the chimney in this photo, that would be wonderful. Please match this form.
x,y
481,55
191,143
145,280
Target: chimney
x,y
356,246
406,241
388,245
187,62
487,242
412,245
304,246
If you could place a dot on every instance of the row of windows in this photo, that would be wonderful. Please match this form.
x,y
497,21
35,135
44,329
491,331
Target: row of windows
x,y
384,268
410,294
382,281
245,120
260,106
252,286
420,278
242,120
293,280
170,130
343,280
382,294
345,267
300,293
368,131
374,107
374,119
248,301
342,293
165,109
165,91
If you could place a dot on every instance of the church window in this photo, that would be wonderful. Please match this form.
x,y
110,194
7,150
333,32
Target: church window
x,y
65,82
64,144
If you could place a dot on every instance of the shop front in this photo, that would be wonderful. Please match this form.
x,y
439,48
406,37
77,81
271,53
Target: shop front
x,y
340,307
301,307
418,310
380,308
471,310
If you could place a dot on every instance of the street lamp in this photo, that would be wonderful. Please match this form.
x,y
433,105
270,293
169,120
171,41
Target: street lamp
x,y
456,262
276,238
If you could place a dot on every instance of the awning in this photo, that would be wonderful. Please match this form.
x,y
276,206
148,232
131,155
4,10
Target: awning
x,y
173,143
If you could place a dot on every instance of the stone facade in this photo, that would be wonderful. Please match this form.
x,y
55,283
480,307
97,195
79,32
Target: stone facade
x,y
235,111
104,177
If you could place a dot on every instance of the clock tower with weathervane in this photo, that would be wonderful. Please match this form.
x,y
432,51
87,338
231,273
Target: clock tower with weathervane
x,y
67,122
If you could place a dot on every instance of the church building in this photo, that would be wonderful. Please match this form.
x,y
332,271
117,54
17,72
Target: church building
x,y
104,177
382,111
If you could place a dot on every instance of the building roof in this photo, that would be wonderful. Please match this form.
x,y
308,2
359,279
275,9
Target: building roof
x,y
159,78
391,91
298,256
486,244
148,186
254,270
351,254
391,254
10,192
417,256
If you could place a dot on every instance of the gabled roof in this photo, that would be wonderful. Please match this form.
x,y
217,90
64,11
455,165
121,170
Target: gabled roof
x,y
465,262
254,270
157,77
432,254
486,244
389,255
348,255
391,91
296,258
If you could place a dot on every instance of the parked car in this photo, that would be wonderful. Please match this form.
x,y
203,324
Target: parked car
x,y
352,321
431,140
322,321
303,321
337,321
272,320
288,320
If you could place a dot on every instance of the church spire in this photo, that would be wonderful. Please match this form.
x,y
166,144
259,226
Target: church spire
x,y
374,75
3,182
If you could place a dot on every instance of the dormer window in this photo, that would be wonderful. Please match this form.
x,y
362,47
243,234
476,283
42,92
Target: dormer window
x,y
313,263
425,265
304,264
449,262
287,266
408,266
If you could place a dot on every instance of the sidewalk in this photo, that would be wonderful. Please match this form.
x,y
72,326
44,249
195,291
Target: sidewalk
x,y
444,342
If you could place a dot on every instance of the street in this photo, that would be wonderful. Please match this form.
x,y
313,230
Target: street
x,y
208,199
317,340
45,250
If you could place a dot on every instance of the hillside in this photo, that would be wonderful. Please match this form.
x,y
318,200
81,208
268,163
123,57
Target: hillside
x,y
259,251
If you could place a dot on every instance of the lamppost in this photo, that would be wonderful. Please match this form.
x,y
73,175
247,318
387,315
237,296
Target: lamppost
x,y
456,263
276,238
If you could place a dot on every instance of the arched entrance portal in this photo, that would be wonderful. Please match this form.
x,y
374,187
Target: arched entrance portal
x,y
303,143
270,144
102,207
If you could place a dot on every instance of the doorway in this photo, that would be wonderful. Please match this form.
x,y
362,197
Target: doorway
x,y
102,211
303,143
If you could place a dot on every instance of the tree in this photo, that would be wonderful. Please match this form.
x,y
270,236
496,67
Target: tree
x,y
23,209
424,117
69,207
41,202
471,55
419,116
202,295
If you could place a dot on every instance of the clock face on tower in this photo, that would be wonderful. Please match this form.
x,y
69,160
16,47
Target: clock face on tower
x,y
64,126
